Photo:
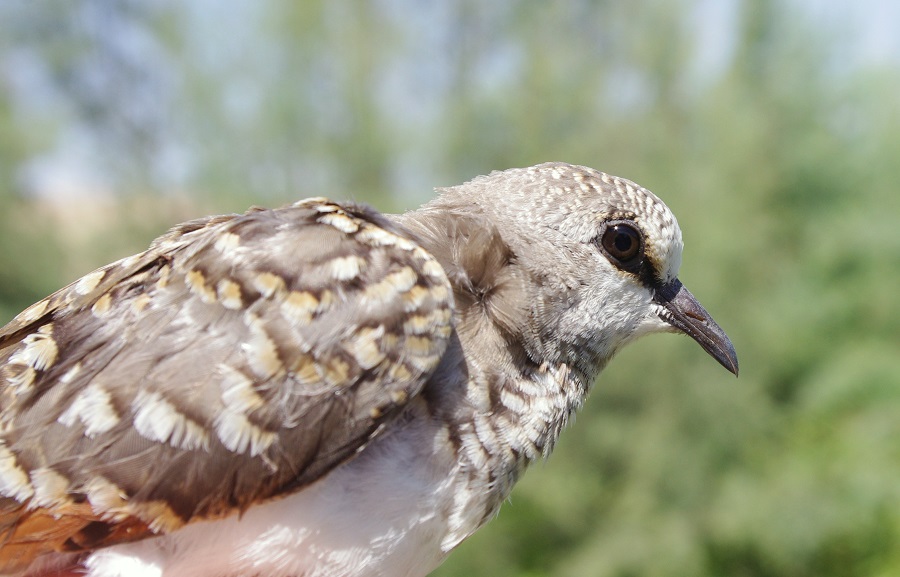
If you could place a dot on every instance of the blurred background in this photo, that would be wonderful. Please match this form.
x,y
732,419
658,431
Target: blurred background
x,y
771,128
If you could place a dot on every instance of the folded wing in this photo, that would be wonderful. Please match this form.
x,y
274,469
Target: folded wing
x,y
238,359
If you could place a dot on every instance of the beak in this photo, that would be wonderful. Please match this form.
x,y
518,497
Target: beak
x,y
681,310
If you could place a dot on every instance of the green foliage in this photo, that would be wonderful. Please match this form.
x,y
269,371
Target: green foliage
x,y
780,164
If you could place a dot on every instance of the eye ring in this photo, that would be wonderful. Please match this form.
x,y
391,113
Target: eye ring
x,y
623,244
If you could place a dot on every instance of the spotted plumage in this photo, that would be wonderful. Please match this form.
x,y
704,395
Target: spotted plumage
x,y
322,390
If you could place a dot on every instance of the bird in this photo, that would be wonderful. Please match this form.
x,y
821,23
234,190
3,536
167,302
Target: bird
x,y
323,390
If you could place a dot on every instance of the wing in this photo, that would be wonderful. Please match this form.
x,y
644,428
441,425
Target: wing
x,y
238,359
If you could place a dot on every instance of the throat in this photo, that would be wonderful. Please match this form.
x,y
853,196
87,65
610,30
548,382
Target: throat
x,y
533,409
500,420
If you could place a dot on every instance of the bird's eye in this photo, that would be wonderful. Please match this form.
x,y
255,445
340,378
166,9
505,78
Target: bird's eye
x,y
623,243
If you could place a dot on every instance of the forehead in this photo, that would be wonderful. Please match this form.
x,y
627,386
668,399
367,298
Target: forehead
x,y
580,199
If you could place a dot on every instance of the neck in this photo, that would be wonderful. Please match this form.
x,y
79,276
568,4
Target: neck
x,y
512,402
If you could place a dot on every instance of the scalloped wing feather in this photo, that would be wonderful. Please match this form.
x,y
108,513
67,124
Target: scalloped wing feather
x,y
238,359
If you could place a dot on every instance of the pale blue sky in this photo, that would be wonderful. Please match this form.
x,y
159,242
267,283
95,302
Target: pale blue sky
x,y
867,31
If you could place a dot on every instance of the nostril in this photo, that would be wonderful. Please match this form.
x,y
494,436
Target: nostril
x,y
695,315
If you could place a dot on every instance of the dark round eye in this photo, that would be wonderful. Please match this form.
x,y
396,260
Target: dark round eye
x,y
623,243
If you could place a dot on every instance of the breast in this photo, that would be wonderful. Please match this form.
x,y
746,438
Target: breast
x,y
394,510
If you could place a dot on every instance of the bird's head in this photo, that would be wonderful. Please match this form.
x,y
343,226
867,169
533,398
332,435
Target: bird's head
x,y
592,260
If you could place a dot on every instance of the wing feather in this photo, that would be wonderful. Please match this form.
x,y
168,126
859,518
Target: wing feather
x,y
238,359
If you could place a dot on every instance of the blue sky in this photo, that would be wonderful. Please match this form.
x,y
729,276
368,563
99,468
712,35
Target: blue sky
x,y
868,32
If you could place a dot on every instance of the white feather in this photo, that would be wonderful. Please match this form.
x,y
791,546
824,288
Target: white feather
x,y
362,520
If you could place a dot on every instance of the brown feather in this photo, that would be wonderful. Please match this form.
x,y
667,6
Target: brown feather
x,y
209,373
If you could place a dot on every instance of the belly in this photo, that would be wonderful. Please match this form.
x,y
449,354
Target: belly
x,y
395,510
